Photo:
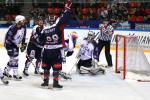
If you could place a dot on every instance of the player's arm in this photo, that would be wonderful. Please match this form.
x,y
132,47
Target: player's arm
x,y
66,15
103,29
23,43
110,30
10,36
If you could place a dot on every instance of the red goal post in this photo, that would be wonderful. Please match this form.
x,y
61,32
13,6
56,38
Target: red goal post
x,y
130,57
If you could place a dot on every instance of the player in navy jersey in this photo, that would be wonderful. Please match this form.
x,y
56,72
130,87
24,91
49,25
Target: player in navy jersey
x,y
15,39
34,48
52,39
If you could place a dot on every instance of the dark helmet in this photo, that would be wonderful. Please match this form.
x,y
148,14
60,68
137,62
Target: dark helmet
x,y
52,19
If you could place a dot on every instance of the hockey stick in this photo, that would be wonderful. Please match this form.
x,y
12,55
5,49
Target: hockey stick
x,y
68,74
143,80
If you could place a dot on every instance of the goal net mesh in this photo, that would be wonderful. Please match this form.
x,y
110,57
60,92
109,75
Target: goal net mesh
x,y
131,58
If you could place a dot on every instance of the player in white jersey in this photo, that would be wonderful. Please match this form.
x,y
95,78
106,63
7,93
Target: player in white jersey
x,y
70,42
15,37
86,54
2,77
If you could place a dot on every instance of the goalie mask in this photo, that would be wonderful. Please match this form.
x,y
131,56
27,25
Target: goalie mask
x,y
90,36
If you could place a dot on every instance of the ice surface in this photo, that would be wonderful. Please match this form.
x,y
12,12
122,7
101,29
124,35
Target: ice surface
x,y
82,87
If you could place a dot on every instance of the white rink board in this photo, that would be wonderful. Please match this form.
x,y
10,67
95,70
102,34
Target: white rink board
x,y
143,36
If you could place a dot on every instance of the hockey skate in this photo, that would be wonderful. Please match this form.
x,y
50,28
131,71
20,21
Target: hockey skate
x,y
45,83
37,71
7,75
4,80
65,75
56,84
17,77
25,72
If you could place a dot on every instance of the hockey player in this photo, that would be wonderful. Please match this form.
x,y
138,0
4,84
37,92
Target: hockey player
x,y
70,42
52,41
15,37
86,53
34,48
2,77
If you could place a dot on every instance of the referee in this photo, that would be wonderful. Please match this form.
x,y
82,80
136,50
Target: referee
x,y
104,40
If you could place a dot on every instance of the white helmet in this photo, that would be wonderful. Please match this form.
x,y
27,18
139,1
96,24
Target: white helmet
x,y
19,18
90,35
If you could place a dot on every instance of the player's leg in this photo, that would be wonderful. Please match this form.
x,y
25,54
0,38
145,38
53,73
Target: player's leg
x,y
46,67
12,53
86,66
13,63
108,55
29,58
2,77
100,47
57,67
46,74
38,60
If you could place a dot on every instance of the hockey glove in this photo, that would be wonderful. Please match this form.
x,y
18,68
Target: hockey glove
x,y
69,53
23,47
68,4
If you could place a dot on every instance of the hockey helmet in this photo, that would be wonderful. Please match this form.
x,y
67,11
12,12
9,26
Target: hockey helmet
x,y
19,18
52,19
90,36
74,34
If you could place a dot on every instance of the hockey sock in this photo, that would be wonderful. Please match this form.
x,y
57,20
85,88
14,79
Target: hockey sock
x,y
7,69
1,73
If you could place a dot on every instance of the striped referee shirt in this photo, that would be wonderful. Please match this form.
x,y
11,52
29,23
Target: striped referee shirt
x,y
105,32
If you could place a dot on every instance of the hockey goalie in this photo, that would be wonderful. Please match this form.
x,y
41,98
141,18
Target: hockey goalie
x,y
86,63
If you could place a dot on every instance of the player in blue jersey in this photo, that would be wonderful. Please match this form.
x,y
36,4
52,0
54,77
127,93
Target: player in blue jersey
x,y
15,39
52,40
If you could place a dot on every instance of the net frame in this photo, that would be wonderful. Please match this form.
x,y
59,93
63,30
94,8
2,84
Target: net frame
x,y
124,65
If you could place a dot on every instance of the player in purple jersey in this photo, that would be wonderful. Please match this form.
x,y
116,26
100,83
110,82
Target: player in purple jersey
x,y
15,39
52,39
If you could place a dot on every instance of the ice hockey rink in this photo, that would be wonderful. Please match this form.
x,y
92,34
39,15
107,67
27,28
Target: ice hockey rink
x,y
82,87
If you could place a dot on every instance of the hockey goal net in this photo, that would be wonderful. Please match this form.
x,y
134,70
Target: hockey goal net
x,y
131,61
